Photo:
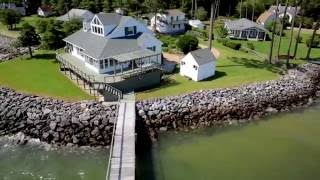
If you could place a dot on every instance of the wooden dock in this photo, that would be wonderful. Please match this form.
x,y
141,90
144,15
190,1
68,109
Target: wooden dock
x,y
122,165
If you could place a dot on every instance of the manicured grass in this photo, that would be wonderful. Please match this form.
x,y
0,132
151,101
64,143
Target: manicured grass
x,y
15,33
264,46
40,76
234,68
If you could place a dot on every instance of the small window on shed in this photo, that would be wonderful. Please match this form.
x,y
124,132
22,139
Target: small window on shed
x,y
195,67
183,63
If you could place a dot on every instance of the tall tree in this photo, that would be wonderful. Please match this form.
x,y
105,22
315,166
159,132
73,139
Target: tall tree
x,y
273,32
107,6
315,28
10,18
154,6
282,27
299,31
291,33
253,8
240,8
28,37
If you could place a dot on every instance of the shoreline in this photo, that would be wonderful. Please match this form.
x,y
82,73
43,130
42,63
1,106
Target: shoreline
x,y
224,107
89,123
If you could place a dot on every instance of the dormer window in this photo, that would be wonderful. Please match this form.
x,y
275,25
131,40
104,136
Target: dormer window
x,y
129,31
96,21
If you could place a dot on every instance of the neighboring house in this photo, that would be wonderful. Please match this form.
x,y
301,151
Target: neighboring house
x,y
170,22
19,9
270,15
196,24
115,50
245,29
82,14
198,65
45,11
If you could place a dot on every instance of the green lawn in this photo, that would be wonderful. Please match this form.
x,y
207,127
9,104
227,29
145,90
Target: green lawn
x,y
264,46
234,68
15,33
41,76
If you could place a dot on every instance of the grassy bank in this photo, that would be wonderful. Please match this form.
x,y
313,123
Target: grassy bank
x,y
39,75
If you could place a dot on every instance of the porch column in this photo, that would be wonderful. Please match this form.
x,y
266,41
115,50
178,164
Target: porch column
x,y
240,35
141,64
114,67
265,35
132,64
121,68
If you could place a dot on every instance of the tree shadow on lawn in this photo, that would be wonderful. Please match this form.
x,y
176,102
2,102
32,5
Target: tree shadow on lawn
x,y
45,56
218,74
252,63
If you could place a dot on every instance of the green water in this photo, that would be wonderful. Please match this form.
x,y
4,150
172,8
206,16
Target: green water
x,y
36,162
282,147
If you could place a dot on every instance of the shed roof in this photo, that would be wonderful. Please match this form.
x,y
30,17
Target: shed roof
x,y
242,24
264,17
203,56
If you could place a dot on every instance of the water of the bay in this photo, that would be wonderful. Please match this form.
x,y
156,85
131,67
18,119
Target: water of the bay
x,y
281,147
41,162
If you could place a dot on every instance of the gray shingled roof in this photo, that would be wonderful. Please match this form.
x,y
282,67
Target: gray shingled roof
x,y
203,56
174,12
77,14
242,24
100,47
281,9
109,18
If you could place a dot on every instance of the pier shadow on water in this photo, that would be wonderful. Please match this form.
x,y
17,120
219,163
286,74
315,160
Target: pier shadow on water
x,y
144,154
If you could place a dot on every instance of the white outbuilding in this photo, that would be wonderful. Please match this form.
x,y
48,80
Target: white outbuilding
x,y
198,65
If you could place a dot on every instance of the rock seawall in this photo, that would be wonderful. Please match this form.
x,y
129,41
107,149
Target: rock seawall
x,y
223,107
86,123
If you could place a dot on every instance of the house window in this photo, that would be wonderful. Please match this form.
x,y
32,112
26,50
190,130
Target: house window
x,y
183,63
195,67
174,26
130,30
111,62
177,18
153,48
179,26
101,64
91,61
171,18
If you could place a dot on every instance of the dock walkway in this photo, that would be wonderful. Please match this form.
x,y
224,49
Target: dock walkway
x,y
122,165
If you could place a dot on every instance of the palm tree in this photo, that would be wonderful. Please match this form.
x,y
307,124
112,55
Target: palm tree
x,y
253,9
282,26
240,8
299,31
273,30
316,27
291,33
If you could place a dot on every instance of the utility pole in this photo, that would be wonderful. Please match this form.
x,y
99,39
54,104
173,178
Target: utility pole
x,y
316,27
211,23
273,29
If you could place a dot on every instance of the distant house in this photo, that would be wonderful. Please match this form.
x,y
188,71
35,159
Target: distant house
x,y
170,22
245,29
45,11
19,9
198,65
196,24
82,14
270,15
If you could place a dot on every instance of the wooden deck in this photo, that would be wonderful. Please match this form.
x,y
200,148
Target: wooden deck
x,y
123,151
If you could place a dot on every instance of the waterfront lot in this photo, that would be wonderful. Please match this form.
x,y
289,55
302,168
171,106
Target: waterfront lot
x,y
39,75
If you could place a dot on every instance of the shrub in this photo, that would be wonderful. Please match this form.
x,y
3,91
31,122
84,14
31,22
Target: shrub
x,y
201,14
222,32
250,45
223,41
315,42
244,50
187,43
233,45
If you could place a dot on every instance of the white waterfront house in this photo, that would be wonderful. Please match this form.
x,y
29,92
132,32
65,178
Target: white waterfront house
x,y
112,43
198,65
196,24
245,29
170,22
270,15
